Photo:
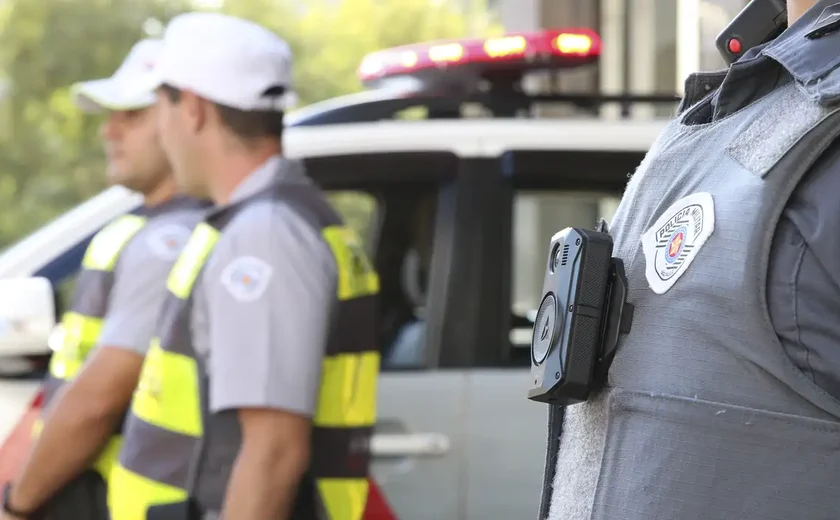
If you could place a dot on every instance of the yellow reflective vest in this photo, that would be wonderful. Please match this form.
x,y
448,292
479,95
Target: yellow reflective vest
x,y
175,449
82,323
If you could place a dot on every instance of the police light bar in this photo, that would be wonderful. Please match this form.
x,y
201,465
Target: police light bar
x,y
519,51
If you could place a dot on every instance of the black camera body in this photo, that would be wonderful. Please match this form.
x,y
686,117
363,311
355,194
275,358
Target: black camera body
x,y
759,22
583,309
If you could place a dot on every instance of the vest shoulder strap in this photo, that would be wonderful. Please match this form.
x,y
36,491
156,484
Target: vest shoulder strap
x,y
107,244
304,198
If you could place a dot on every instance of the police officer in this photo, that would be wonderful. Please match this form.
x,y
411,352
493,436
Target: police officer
x,y
723,401
118,294
257,397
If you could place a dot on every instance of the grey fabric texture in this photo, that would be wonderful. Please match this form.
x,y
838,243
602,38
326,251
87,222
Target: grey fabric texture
x,y
702,400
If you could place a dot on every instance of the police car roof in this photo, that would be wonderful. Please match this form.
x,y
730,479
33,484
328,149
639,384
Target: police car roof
x,y
473,137
458,80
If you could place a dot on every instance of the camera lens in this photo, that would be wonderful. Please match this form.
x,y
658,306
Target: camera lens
x,y
554,261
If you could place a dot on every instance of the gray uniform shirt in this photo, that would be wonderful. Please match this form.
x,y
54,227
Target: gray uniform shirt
x,y
803,279
262,311
140,278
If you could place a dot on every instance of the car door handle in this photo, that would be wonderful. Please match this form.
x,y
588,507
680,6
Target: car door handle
x,y
409,444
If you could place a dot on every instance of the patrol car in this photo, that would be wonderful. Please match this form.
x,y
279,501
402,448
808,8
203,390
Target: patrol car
x,y
457,188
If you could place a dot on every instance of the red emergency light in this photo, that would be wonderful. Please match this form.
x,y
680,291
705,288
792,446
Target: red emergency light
x,y
544,49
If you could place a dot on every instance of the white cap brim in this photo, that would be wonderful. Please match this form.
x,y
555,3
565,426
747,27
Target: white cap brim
x,y
146,85
110,94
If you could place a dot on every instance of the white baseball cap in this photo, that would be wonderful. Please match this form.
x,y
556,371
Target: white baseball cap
x,y
227,60
120,92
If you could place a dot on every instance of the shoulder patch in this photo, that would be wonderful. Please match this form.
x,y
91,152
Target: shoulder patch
x,y
246,278
674,240
167,241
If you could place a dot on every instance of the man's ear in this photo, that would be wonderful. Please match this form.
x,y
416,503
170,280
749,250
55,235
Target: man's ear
x,y
196,110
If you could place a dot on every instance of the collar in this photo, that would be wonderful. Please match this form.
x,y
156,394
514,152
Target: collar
x,y
175,203
813,62
274,169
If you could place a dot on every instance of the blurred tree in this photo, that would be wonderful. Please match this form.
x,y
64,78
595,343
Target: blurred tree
x,y
50,155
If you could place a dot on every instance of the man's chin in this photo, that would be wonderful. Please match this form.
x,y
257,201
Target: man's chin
x,y
121,179
190,188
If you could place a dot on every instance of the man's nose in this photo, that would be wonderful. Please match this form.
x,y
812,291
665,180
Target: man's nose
x,y
110,128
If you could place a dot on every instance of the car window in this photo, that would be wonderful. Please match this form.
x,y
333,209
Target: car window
x,y
537,215
397,223
359,210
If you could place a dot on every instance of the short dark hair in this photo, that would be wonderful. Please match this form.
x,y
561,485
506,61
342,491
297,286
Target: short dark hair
x,y
245,124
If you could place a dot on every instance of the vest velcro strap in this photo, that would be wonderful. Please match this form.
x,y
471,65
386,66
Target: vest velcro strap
x,y
343,453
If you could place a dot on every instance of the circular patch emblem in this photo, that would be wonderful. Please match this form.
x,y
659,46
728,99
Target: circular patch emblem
x,y
675,245
672,243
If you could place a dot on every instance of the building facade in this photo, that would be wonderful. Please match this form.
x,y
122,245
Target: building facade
x,y
649,46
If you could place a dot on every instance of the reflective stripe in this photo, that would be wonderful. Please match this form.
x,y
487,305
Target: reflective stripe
x,y
79,335
130,494
356,276
348,390
167,393
105,248
345,499
193,257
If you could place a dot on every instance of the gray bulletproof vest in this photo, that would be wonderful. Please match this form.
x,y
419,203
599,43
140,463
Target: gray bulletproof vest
x,y
704,416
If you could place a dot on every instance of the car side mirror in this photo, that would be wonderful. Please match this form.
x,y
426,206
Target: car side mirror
x,y
27,315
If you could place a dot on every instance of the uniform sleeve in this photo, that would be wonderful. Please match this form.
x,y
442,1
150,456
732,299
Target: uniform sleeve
x,y
270,293
140,286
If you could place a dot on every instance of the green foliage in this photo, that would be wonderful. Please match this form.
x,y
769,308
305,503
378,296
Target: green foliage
x,y
50,155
